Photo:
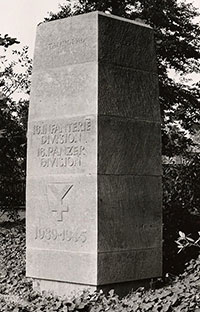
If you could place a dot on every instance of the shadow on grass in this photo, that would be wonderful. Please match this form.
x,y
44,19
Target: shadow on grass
x,y
12,224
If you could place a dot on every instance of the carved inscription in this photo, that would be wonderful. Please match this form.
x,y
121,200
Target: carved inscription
x,y
65,235
67,43
62,144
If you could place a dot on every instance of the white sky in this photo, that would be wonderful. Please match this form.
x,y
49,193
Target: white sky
x,y
19,18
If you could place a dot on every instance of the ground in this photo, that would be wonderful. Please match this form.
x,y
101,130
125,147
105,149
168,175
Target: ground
x,y
16,293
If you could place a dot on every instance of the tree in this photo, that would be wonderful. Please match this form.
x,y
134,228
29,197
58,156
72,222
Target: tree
x,y
177,46
14,77
7,41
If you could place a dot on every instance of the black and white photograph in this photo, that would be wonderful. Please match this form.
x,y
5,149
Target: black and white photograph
x,y
100,155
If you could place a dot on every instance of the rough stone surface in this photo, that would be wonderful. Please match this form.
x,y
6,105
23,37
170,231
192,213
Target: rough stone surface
x,y
119,85
65,42
75,267
62,91
115,267
94,156
128,146
130,218
126,44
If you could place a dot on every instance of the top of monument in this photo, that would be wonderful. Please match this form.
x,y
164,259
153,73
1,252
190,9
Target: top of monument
x,y
121,18
103,14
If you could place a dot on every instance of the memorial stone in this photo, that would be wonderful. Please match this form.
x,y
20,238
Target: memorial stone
x,y
94,156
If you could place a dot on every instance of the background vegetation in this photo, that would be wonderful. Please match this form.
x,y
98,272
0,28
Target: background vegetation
x,y
14,80
177,45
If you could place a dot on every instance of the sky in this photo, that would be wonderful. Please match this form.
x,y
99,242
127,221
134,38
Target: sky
x,y
19,18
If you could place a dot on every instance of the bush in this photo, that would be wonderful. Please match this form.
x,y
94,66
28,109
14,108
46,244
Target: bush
x,y
12,196
184,241
181,209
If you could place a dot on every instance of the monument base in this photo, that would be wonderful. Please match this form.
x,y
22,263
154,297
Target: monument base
x,y
64,289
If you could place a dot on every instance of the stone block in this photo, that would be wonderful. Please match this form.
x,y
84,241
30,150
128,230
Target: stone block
x,y
129,228
128,93
60,265
128,146
61,229
66,41
131,265
126,44
129,216
62,146
60,91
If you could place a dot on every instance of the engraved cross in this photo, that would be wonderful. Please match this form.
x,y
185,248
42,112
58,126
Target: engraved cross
x,y
60,195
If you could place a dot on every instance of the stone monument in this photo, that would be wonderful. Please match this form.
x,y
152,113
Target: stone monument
x,y
94,156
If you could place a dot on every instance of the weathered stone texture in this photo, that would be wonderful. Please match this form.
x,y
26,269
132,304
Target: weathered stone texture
x,y
128,146
115,267
64,266
126,44
65,42
62,91
138,89
129,213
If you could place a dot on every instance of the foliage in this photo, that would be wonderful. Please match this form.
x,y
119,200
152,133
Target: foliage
x,y
185,241
16,293
7,41
181,184
181,208
14,81
177,47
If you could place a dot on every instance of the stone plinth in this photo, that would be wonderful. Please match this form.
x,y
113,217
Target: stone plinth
x,y
94,156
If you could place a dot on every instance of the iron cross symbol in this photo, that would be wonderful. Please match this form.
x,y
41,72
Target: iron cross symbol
x,y
59,191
